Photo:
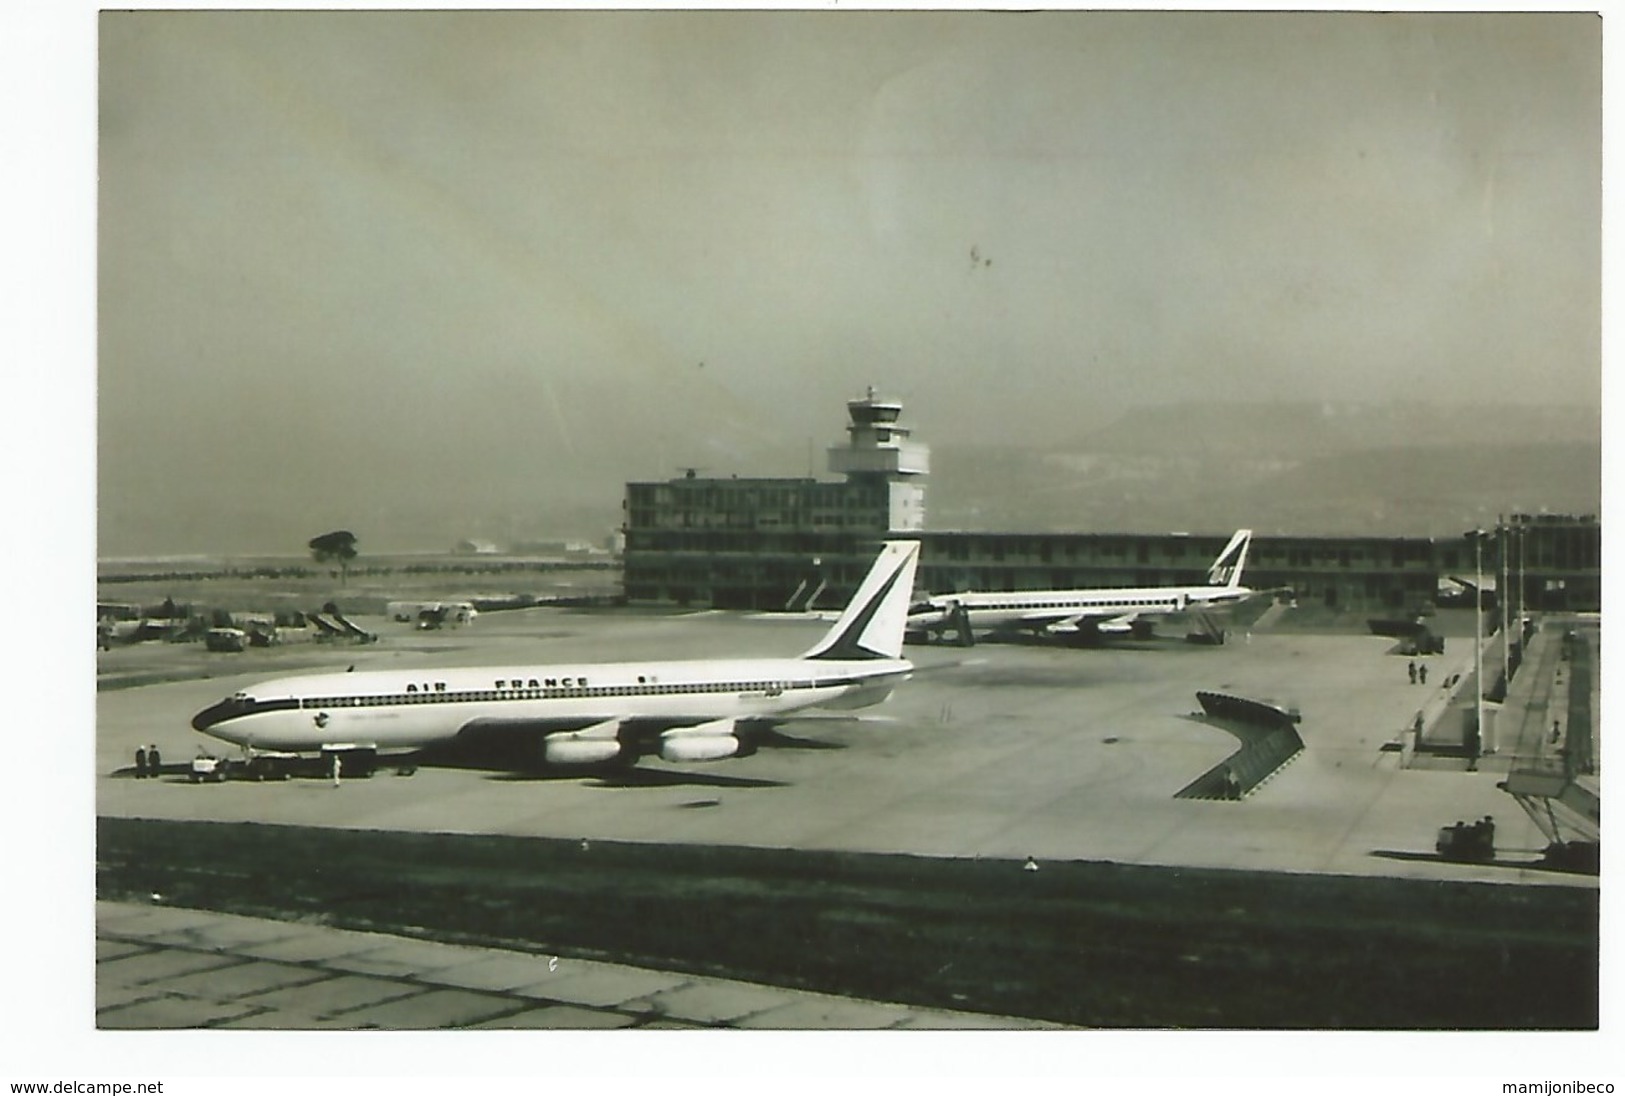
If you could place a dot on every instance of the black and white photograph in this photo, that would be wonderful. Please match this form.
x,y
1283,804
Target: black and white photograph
x,y
1036,530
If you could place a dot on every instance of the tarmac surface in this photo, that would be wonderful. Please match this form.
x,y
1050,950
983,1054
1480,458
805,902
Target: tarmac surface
x,y
1004,751
1000,751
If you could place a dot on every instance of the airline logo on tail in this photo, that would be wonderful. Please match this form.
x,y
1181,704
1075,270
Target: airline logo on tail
x,y
873,623
1226,570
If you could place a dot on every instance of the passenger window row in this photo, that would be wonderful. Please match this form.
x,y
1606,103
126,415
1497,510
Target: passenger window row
x,y
554,694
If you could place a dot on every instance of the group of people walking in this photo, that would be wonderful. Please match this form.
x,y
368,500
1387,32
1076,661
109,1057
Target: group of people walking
x,y
1419,672
148,762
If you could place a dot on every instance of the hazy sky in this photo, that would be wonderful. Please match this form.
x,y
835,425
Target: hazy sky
x,y
347,256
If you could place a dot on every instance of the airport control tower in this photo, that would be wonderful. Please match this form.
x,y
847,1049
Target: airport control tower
x,y
878,456
773,543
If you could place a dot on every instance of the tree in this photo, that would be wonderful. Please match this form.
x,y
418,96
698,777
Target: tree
x,y
338,545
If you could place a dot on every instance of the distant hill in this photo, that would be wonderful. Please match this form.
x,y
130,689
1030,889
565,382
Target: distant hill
x,y
1301,429
1289,468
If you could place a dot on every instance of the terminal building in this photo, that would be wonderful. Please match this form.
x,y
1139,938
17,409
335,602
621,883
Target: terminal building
x,y
745,543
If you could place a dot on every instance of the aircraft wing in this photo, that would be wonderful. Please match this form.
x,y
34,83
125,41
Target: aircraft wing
x,y
624,728
1087,622
591,740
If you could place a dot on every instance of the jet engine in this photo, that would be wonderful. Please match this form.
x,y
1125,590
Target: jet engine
x,y
699,747
706,742
590,746
564,750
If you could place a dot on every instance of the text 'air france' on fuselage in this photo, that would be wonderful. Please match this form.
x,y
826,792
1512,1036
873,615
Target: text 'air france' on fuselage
x,y
1105,609
588,713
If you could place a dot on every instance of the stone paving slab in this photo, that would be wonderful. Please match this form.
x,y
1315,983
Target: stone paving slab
x,y
241,981
144,983
663,1024
434,1008
285,1020
605,988
400,958
971,1021
113,995
336,994
116,949
714,1003
137,922
171,1012
315,944
471,954
225,935
561,1016
831,1012
504,972
154,966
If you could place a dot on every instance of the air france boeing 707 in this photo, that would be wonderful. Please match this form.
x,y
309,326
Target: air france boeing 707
x,y
588,713
1107,609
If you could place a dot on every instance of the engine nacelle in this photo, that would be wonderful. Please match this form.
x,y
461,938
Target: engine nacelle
x,y
580,748
698,747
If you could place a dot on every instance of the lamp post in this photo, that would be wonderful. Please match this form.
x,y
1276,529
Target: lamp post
x,y
1522,607
1502,540
1478,643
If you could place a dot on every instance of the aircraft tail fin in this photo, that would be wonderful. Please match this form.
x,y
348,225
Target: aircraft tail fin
x,y
873,622
1226,570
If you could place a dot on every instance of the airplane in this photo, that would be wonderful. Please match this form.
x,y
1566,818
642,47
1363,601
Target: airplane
x,y
1088,611
586,714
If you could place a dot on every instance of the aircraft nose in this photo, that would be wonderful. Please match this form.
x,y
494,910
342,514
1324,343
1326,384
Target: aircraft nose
x,y
216,714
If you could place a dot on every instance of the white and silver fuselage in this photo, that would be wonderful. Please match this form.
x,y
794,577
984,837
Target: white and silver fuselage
x,y
1039,606
1103,608
588,713
402,710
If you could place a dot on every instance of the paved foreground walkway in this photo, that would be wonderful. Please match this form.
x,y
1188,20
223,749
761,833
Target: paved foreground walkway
x,y
168,967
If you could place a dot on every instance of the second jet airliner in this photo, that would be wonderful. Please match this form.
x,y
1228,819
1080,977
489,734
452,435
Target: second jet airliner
x,y
1107,609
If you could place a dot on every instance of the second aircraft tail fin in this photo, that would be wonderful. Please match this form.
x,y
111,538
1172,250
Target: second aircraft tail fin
x,y
873,622
1226,570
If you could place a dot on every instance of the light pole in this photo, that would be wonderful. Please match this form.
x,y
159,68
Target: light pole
x,y
1502,540
1478,643
1522,607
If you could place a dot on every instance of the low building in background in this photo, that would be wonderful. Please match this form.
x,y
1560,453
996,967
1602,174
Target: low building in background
x,y
800,543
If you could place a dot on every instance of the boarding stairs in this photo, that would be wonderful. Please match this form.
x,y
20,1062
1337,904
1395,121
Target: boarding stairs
x,y
1269,740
